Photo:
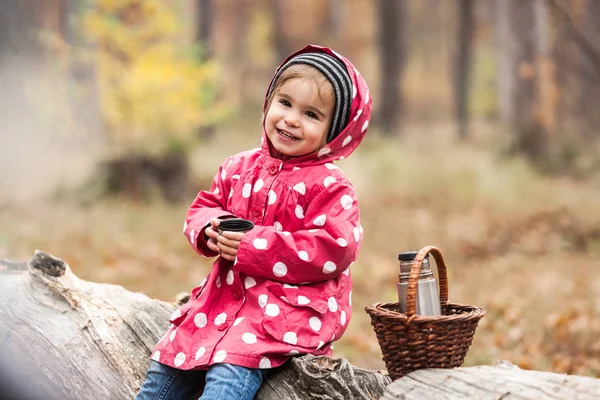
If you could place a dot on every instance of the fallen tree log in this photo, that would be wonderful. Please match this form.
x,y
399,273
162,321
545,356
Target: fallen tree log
x,y
65,338
86,340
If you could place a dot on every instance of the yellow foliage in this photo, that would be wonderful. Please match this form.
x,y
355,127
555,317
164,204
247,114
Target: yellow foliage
x,y
153,88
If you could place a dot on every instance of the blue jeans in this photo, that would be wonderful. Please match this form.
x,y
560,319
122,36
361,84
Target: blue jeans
x,y
219,382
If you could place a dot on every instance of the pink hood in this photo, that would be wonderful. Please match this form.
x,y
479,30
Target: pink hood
x,y
360,114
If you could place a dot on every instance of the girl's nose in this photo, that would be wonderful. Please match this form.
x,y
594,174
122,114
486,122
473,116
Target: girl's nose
x,y
292,120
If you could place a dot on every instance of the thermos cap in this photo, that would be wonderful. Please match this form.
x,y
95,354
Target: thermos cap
x,y
409,256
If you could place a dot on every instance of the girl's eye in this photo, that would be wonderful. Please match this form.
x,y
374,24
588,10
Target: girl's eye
x,y
311,114
284,102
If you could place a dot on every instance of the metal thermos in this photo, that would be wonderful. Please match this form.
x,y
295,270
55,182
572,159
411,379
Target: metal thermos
x,y
428,298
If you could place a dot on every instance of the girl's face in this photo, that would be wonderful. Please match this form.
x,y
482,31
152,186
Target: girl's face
x,y
298,118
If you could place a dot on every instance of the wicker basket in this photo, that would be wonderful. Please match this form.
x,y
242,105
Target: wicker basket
x,y
409,341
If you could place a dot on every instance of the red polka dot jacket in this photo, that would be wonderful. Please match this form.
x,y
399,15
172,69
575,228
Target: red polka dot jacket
x,y
290,291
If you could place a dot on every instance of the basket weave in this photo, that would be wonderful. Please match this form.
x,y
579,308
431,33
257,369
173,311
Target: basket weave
x,y
409,342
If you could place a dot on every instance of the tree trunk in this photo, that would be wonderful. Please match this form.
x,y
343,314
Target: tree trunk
x,y
204,36
391,51
333,23
591,88
204,28
65,338
516,22
462,68
282,47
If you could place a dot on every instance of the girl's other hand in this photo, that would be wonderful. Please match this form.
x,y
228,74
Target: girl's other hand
x,y
228,244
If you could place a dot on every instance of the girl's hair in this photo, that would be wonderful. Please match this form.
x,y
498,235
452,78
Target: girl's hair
x,y
302,71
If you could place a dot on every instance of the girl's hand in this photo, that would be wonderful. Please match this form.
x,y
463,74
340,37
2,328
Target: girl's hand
x,y
228,244
212,233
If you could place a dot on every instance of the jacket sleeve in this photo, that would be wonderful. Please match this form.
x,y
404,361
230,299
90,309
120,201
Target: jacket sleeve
x,y
326,246
207,205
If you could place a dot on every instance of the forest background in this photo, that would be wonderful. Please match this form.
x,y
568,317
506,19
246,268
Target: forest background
x,y
484,142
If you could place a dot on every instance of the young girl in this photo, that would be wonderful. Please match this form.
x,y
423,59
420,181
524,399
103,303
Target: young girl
x,y
284,287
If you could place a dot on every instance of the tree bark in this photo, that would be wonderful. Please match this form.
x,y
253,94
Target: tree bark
x,y
391,51
462,68
502,381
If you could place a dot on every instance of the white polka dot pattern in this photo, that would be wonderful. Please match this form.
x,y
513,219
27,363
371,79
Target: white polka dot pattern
x,y
179,359
324,151
176,314
200,352
272,310
249,282
262,300
320,220
300,188
246,190
329,267
200,320
358,113
249,338
260,243
328,181
220,319
332,304
272,197
303,255
346,202
290,337
280,269
265,363
315,324
220,356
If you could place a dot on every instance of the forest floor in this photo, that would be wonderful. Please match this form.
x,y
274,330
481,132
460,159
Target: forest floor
x,y
523,246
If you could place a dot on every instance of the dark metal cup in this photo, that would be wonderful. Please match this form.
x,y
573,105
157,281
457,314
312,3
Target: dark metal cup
x,y
235,225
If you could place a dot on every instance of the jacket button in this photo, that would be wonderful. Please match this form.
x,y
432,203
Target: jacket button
x,y
222,327
237,295
273,169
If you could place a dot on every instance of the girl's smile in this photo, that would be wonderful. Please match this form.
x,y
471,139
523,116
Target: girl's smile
x,y
298,118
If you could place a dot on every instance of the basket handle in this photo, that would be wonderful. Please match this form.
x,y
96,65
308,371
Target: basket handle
x,y
413,279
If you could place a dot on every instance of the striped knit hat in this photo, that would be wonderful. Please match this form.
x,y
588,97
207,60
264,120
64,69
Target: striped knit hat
x,y
338,75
